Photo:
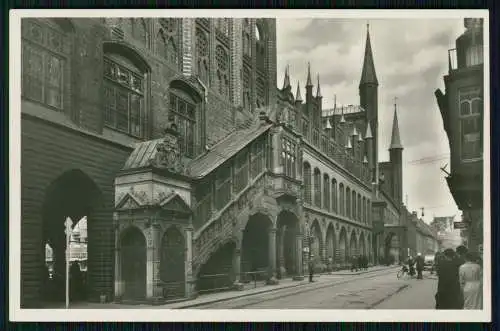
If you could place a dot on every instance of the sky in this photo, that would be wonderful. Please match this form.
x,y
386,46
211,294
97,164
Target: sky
x,y
410,60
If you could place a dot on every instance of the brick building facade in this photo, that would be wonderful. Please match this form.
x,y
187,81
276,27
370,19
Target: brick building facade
x,y
194,171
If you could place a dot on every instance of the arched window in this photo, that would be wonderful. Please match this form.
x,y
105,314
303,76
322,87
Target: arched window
x,y
334,196
326,188
359,208
45,56
222,70
363,211
246,89
247,43
342,199
317,188
368,211
353,210
139,30
348,202
124,90
471,109
202,53
307,183
184,109
166,40
288,157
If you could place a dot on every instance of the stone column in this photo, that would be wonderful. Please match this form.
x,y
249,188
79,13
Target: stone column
x,y
156,253
272,257
150,261
299,274
281,249
188,265
118,267
237,268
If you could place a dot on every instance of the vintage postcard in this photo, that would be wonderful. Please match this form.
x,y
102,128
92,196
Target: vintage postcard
x,y
249,165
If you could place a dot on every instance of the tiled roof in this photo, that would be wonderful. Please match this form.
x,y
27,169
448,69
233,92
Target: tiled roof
x,y
143,152
224,150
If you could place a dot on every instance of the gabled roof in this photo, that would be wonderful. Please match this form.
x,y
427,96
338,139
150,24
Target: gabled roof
x,y
142,154
224,150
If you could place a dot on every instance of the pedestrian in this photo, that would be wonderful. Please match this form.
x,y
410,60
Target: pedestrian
x,y
420,265
354,264
330,264
359,261
448,295
461,253
311,269
471,282
411,266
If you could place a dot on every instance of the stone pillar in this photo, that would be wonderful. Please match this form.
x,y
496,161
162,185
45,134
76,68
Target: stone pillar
x,y
118,267
187,46
237,269
151,277
188,265
156,251
299,274
281,237
272,257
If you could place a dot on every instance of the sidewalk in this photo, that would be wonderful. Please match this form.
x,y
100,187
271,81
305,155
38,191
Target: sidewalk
x,y
248,290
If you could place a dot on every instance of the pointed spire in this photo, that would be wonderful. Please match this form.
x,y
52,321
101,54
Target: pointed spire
x,y
298,97
318,90
286,81
368,75
395,139
309,81
354,131
365,160
348,145
342,118
368,134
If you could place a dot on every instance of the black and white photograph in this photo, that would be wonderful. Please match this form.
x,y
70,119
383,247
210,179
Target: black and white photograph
x,y
239,165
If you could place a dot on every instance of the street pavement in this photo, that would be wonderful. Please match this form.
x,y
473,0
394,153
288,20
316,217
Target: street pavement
x,y
366,291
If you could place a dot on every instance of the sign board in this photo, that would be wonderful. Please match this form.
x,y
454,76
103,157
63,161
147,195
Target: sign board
x,y
459,225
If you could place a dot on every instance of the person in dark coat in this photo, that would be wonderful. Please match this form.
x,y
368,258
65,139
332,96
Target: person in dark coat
x,y
449,295
420,265
311,269
354,263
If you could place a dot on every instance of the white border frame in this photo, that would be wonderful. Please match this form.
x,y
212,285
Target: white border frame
x,y
160,315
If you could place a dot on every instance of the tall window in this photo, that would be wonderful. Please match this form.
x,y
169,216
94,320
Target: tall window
x,y
43,64
317,188
354,213
260,46
305,127
124,98
334,196
471,108
474,55
359,206
166,45
246,89
307,183
223,186
326,193
288,157
247,43
139,30
183,112
348,202
202,52
261,93
363,210
222,70
257,157
369,212
342,199
240,171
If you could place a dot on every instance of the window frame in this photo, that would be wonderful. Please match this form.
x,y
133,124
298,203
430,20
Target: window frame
x,y
288,157
185,149
477,95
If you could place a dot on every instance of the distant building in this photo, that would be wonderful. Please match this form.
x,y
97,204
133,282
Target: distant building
x,y
462,110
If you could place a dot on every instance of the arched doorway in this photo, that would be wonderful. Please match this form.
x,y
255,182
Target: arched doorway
x,y
287,230
172,259
353,245
73,195
317,242
344,254
255,247
362,247
217,273
133,263
330,244
391,250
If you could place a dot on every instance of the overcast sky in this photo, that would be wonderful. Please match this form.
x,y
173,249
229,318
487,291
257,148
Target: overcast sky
x,y
410,59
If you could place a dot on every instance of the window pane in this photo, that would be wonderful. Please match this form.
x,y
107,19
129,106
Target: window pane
x,y
465,108
53,81
33,74
110,105
135,115
122,111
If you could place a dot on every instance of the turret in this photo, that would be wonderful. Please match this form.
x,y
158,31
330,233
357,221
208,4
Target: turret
x,y
396,159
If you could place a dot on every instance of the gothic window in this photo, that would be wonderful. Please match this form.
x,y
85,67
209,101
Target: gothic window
x,y
124,96
183,113
43,64
474,55
359,208
326,193
222,70
257,157
353,210
317,188
202,52
240,171
363,211
246,89
307,183
166,41
288,157
334,196
471,108
342,199
305,127
260,92
139,30
247,40
348,202
223,186
222,25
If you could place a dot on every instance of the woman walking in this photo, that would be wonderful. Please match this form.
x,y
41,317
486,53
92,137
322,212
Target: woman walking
x,y
471,282
448,294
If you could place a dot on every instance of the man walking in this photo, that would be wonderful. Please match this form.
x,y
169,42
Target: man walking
x,y
354,263
420,265
311,269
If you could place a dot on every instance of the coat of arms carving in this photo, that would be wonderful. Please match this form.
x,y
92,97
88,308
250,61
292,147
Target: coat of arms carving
x,y
167,152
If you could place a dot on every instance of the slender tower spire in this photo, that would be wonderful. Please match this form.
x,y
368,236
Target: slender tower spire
x,y
298,97
395,138
318,90
286,81
309,81
368,74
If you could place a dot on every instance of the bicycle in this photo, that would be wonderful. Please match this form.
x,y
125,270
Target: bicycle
x,y
404,272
